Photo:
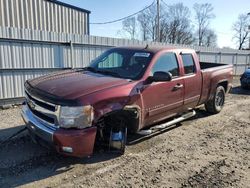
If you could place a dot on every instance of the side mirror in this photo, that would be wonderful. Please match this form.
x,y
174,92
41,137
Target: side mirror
x,y
161,76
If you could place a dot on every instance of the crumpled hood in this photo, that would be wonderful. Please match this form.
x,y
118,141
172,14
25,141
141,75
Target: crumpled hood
x,y
72,84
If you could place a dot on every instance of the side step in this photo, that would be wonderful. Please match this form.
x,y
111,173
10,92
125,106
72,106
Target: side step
x,y
168,124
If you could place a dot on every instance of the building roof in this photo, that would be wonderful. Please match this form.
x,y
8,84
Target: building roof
x,y
69,6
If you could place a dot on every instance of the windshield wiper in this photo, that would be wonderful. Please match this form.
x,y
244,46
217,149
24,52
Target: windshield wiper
x,y
105,72
91,69
115,74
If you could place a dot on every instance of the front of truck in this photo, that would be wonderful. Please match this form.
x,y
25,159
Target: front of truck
x,y
63,124
61,109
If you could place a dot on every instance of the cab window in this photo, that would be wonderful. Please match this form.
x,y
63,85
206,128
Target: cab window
x,y
167,63
188,62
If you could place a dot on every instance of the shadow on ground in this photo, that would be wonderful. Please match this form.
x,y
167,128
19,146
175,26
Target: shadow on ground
x,y
135,139
23,162
239,91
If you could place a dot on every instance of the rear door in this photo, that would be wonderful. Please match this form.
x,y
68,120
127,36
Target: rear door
x,y
192,80
163,99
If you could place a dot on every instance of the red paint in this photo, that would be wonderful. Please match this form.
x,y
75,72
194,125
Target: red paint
x,y
107,94
81,141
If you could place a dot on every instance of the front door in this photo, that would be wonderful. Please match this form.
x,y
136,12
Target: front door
x,y
163,99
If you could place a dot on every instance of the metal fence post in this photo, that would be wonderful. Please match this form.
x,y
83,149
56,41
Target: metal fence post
x,y
248,61
71,54
236,62
233,62
199,54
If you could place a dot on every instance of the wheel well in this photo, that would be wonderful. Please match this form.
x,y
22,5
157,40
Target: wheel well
x,y
130,117
224,84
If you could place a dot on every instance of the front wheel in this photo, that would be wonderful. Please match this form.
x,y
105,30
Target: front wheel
x,y
216,104
118,136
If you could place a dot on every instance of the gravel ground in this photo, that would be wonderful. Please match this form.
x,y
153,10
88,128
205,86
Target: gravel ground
x,y
205,151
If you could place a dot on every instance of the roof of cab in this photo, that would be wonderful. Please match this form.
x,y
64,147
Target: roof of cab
x,y
155,49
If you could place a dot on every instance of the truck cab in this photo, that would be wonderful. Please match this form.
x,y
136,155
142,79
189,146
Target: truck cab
x,y
176,95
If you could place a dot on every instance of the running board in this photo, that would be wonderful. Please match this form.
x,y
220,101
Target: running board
x,y
168,124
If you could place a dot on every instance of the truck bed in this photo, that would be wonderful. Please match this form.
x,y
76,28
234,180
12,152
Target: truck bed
x,y
212,74
207,65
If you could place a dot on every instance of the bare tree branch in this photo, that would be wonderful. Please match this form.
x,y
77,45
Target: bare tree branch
x,y
174,24
178,21
203,15
129,26
240,28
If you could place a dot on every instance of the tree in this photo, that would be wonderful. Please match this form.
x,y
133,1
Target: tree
x,y
147,22
240,28
129,26
177,24
142,19
203,16
174,24
210,38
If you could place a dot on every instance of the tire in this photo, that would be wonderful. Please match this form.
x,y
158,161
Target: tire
x,y
215,105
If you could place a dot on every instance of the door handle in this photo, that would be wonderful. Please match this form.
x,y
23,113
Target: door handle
x,y
178,86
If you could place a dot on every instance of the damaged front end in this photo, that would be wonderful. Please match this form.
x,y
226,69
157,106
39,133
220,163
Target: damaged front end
x,y
69,129
113,127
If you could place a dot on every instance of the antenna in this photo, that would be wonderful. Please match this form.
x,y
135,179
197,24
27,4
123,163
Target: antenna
x,y
146,47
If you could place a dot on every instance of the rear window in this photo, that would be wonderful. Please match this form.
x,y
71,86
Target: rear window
x,y
188,63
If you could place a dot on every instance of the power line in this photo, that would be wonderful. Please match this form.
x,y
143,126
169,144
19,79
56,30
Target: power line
x,y
164,3
120,19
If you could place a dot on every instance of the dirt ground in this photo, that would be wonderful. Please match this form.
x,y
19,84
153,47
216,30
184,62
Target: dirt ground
x,y
206,151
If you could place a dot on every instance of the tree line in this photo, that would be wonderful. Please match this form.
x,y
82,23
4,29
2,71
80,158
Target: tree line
x,y
177,26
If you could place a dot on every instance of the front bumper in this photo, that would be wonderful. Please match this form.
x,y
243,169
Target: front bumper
x,y
81,142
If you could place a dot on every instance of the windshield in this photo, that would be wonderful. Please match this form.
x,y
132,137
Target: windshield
x,y
123,63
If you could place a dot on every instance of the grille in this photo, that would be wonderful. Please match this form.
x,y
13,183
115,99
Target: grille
x,y
44,111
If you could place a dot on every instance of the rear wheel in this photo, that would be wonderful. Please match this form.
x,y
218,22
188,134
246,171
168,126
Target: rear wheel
x,y
216,104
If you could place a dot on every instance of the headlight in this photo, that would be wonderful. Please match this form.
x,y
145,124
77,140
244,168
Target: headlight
x,y
76,117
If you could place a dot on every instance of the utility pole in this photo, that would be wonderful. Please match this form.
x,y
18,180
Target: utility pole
x,y
249,32
158,22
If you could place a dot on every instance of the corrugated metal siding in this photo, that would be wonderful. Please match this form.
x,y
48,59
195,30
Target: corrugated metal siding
x,y
43,15
12,82
26,54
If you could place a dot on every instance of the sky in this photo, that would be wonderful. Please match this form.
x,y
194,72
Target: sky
x,y
226,13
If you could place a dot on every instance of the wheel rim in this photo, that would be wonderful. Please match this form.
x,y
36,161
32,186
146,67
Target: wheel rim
x,y
219,100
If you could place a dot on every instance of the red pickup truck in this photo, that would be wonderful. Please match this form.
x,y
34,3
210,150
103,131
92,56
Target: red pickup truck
x,y
124,90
